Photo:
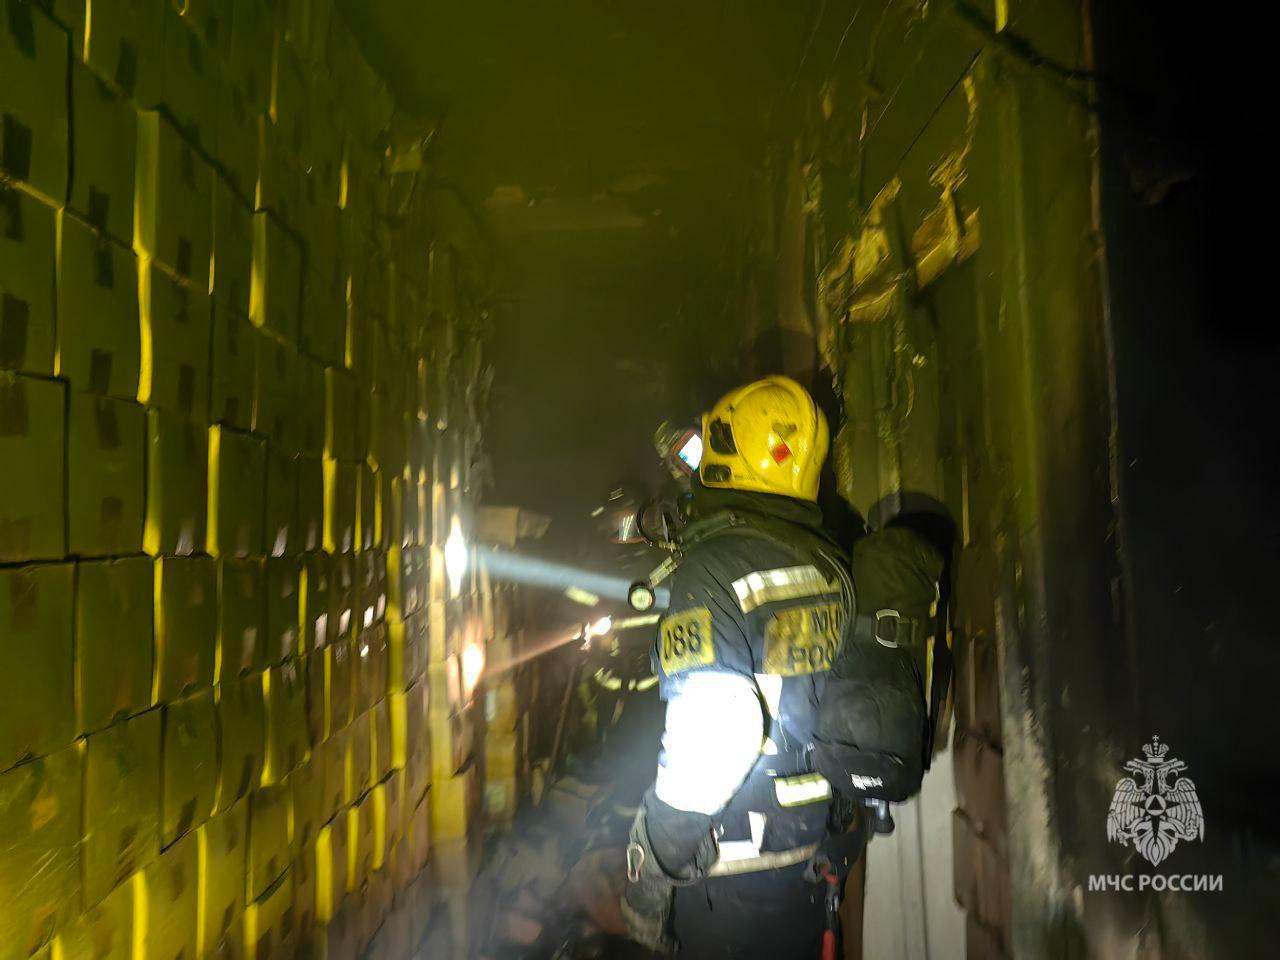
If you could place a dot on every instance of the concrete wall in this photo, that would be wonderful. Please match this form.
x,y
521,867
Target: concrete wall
x,y
1012,309
238,414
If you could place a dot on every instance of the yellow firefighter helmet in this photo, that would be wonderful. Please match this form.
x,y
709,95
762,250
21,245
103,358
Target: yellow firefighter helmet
x,y
768,436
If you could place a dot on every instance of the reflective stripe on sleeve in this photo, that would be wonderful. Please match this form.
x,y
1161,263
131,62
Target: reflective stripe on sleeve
x,y
785,583
797,791
714,726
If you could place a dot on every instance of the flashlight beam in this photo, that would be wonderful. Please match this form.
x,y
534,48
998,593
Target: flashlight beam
x,y
532,653
536,572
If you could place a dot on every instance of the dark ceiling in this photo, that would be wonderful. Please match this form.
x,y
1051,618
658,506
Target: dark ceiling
x,y
613,151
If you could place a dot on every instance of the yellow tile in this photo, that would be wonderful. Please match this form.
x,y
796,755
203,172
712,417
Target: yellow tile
x,y
241,618
189,78
124,42
398,709
340,482
317,698
332,868
307,786
311,503
33,499
380,748
284,693
417,766
274,299
40,811
407,649
237,486
222,849
283,537
189,764
269,928
173,202
113,640
368,517
359,776
450,742
242,720
275,413
121,803
104,932
359,843
176,319
270,815
33,78
340,405
371,575
172,894
99,335
37,703
418,835
26,264
395,798
340,661
445,680
378,802
334,758
371,667
233,227
284,602
106,475
305,889
316,601
231,400
324,306
177,485
342,591
451,805
186,625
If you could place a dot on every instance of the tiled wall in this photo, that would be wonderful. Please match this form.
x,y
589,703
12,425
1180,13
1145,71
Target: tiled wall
x,y
235,424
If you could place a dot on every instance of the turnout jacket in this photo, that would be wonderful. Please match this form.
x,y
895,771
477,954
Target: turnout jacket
x,y
758,605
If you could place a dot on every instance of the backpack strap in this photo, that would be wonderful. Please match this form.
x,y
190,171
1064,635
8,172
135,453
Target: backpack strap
x,y
887,627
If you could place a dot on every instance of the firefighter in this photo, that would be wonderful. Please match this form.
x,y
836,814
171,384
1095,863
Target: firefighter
x,y
723,839
616,677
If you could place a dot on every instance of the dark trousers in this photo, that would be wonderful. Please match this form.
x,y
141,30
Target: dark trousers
x,y
774,914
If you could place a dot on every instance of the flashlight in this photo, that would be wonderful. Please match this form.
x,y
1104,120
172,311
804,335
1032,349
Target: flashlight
x,y
641,597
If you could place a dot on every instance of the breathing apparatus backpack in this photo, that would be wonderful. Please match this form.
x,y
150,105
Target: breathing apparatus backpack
x,y
873,736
